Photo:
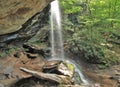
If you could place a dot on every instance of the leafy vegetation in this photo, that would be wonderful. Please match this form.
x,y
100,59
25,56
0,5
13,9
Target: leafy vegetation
x,y
93,29
6,52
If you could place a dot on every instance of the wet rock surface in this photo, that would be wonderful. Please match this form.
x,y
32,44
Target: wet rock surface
x,y
108,77
21,70
96,76
18,68
116,76
35,49
27,31
59,67
29,19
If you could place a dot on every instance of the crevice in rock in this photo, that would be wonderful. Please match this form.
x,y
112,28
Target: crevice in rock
x,y
28,30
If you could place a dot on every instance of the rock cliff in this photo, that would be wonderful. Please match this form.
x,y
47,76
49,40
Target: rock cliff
x,y
14,13
20,20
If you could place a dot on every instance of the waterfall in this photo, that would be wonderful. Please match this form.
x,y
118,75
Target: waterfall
x,y
78,70
56,35
57,51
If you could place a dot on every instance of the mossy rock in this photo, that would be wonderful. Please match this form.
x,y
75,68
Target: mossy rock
x,y
66,68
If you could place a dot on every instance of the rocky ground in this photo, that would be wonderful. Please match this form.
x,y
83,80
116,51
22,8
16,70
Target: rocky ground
x,y
29,68
99,77
108,77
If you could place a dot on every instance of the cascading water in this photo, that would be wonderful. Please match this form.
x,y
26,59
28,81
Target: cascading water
x,y
78,70
56,37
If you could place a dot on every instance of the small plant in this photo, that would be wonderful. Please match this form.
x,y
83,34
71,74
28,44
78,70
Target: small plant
x,y
2,54
7,52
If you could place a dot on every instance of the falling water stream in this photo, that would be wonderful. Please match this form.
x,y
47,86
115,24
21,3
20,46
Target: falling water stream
x,y
56,38
56,35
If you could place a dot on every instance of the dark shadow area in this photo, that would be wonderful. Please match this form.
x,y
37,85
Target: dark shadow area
x,y
33,82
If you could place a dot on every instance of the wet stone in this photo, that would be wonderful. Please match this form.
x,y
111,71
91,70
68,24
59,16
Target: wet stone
x,y
2,76
17,55
32,56
66,69
8,71
77,79
59,67
1,85
51,64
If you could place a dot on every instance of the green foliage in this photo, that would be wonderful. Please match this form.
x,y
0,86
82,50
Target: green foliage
x,y
4,53
98,21
91,51
69,6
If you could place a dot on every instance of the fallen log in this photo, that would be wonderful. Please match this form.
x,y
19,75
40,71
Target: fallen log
x,y
74,86
61,79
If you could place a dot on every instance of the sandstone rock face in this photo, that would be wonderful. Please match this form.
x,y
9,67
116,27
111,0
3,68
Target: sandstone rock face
x,y
14,13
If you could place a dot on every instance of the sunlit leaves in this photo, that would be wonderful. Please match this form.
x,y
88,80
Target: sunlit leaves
x,y
69,6
97,21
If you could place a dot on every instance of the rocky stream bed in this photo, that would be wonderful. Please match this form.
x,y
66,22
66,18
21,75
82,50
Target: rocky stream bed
x,y
29,68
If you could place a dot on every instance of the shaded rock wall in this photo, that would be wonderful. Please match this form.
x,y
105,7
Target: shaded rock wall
x,y
14,13
31,23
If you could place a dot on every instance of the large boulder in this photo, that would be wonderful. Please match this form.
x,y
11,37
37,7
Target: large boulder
x,y
14,13
20,26
59,67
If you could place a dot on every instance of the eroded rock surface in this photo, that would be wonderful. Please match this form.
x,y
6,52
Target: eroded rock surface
x,y
14,13
39,72
105,80
20,67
